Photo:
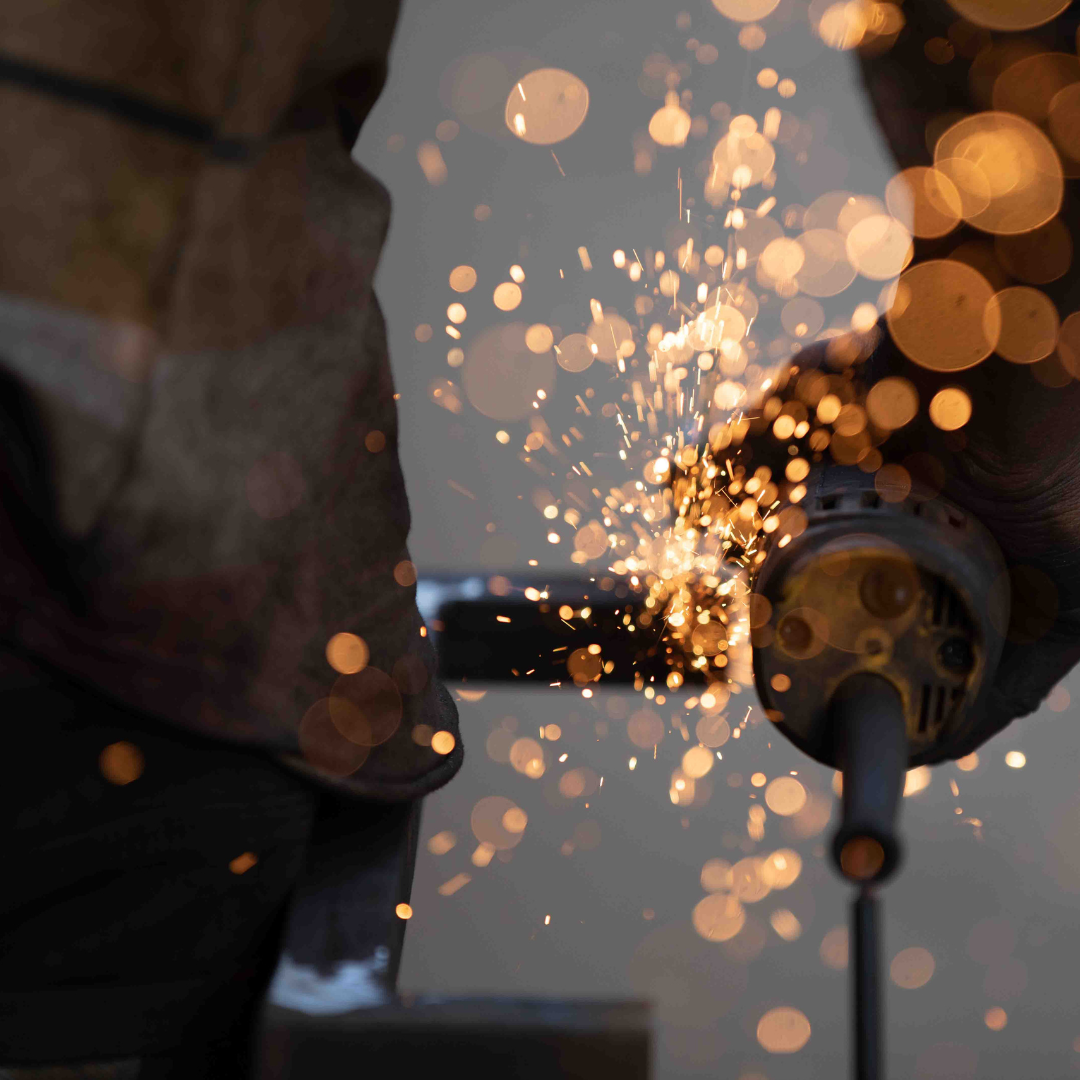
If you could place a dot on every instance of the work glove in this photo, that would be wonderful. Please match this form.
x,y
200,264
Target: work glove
x,y
1015,466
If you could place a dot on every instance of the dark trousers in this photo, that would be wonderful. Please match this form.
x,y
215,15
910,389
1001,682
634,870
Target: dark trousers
x,y
148,879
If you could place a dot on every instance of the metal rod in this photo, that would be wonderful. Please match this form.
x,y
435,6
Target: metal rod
x,y
866,984
868,722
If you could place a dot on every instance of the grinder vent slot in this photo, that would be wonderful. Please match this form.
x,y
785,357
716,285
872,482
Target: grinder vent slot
x,y
936,702
953,615
941,602
947,609
924,708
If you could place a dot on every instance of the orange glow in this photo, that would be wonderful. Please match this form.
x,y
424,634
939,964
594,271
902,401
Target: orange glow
x,y
697,762
347,653
916,780
950,408
1013,159
457,882
783,1030
670,125
785,796
912,968
834,948
781,869
942,317
1008,15
243,863
462,278
507,296
927,199
745,10
538,338
442,742
718,917
785,924
487,821
441,842
861,858
547,106
1029,324
432,163
892,402
121,763
527,757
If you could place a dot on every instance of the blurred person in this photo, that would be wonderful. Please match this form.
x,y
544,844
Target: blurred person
x,y
204,578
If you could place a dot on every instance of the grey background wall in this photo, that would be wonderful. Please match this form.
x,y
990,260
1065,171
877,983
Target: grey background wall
x,y
995,905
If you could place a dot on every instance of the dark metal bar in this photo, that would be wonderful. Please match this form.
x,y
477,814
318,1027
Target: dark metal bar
x,y
561,1039
868,1041
867,718
487,638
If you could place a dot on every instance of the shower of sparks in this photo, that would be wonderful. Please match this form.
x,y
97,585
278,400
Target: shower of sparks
x,y
714,362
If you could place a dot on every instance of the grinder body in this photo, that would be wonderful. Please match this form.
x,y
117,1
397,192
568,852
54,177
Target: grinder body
x,y
911,589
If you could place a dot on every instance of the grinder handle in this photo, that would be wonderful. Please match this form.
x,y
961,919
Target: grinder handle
x,y
867,720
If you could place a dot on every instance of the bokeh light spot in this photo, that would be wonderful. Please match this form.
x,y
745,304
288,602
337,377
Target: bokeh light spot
x,y
950,408
912,968
785,796
462,279
783,1030
1029,324
718,917
507,295
347,653
442,742
941,317
1017,161
547,106
121,763
1009,14
745,10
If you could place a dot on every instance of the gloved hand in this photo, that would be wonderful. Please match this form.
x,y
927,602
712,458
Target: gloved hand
x,y
1016,467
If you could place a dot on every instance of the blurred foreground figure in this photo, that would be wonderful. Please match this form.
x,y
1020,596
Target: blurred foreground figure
x,y
211,661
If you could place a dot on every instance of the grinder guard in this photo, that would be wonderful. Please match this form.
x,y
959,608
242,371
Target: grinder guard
x,y
911,590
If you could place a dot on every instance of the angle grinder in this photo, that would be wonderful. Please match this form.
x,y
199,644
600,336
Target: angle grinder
x,y
876,634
